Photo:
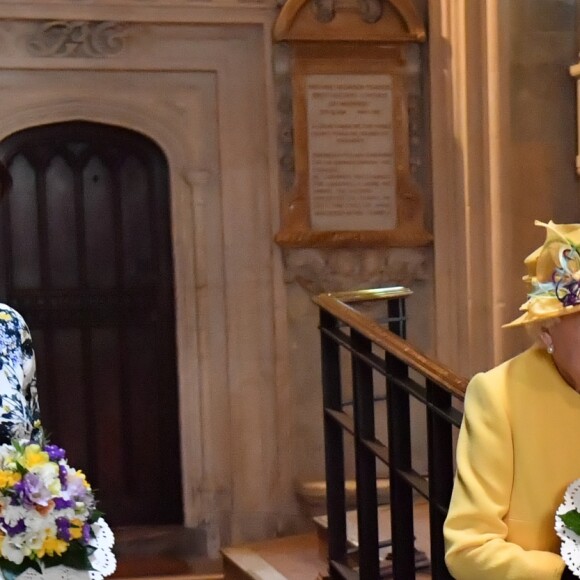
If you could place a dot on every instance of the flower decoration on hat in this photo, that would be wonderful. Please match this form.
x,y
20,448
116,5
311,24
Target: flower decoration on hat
x,y
565,277
553,275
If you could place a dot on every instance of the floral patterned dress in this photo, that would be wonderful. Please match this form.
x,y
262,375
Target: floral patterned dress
x,y
19,409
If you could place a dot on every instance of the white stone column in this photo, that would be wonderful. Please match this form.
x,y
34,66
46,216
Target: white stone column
x,y
468,126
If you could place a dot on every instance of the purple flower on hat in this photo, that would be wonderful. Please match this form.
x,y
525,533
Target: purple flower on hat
x,y
571,297
564,278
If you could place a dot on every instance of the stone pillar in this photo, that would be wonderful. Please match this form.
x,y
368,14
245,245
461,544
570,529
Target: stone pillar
x,y
502,134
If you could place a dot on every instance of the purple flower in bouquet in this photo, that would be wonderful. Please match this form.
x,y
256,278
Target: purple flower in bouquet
x,y
63,529
75,489
86,533
17,528
32,491
62,475
62,504
55,453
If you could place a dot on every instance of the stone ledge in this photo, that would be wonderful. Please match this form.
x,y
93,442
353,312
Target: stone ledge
x,y
312,494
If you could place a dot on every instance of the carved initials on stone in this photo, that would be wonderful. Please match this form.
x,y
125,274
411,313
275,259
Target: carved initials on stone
x,y
77,39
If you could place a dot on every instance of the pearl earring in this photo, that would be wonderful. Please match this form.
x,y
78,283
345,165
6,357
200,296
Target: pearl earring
x,y
550,349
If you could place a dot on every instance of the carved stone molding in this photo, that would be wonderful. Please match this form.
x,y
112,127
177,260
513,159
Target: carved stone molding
x,y
44,7
60,38
416,152
283,86
322,270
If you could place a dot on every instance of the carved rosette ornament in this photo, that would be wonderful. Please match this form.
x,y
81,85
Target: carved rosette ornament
x,y
370,10
324,10
62,38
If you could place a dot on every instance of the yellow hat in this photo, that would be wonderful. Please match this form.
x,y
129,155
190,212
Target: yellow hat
x,y
553,275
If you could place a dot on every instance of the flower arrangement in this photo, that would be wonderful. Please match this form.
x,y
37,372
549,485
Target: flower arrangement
x,y
567,526
48,514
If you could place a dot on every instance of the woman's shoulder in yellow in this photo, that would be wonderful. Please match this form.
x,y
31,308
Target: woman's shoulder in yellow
x,y
533,367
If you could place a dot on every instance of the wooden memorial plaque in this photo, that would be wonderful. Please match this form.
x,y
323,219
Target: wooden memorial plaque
x,y
351,143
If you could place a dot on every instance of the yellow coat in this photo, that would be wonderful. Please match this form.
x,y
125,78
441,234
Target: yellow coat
x,y
518,449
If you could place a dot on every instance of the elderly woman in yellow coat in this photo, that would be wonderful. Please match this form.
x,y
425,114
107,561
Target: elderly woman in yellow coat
x,y
519,445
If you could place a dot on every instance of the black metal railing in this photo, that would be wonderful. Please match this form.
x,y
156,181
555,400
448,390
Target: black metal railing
x,y
377,348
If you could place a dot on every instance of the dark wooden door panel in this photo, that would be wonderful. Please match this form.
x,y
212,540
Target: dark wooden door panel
x,y
86,258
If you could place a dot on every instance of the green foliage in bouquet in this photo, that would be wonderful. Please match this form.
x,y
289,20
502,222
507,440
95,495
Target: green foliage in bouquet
x,y
571,520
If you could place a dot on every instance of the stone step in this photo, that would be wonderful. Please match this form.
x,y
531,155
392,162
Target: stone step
x,y
422,538
163,552
152,568
304,557
290,558
312,495
177,577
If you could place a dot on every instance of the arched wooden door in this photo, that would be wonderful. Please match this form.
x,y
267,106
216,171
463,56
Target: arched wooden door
x,y
86,257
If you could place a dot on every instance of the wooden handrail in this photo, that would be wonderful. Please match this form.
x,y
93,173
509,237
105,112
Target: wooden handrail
x,y
337,304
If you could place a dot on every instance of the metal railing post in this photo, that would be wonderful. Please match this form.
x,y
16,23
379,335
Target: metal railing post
x,y
366,468
333,443
399,434
397,317
440,451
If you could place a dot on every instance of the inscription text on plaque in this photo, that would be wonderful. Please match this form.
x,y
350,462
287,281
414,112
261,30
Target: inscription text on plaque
x,y
351,155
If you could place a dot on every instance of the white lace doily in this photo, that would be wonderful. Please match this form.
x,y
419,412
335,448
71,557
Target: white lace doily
x,y
570,547
55,573
102,559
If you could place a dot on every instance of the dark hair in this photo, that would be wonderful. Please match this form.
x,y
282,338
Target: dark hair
x,y
5,180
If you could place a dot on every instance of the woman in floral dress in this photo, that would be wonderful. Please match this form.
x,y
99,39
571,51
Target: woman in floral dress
x,y
18,396
19,414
